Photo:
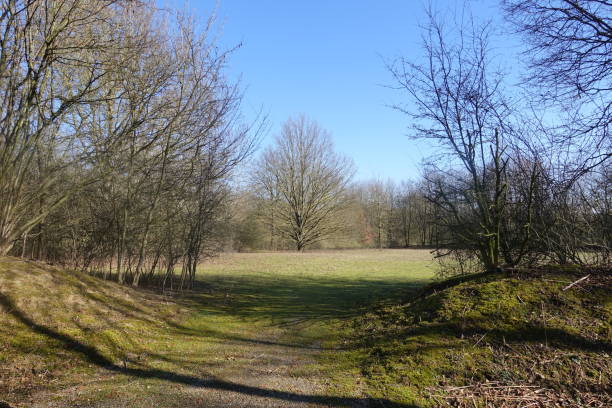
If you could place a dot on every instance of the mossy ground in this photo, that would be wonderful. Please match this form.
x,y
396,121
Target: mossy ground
x,y
516,330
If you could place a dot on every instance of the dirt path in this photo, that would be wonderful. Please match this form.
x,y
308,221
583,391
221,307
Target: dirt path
x,y
261,372
257,329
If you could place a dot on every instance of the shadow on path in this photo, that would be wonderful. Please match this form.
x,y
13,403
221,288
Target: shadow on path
x,y
92,355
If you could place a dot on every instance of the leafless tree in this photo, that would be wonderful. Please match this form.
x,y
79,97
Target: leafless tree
x,y
309,178
569,48
53,58
411,224
569,44
120,133
377,200
457,100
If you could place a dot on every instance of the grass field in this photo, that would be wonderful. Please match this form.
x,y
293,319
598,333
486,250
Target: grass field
x,y
260,329
316,286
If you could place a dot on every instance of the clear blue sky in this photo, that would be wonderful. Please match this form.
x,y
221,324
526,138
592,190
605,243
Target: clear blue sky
x,y
325,59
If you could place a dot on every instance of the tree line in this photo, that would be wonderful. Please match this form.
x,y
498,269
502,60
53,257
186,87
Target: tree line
x,y
120,135
367,214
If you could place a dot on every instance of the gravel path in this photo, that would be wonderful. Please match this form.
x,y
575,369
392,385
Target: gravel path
x,y
265,374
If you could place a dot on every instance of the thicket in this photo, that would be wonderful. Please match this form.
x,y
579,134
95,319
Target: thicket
x,y
118,133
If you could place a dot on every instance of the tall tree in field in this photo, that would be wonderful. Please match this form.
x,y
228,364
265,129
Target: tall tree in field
x,y
309,180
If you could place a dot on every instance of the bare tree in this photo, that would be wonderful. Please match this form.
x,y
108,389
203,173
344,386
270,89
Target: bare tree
x,y
134,112
456,100
309,178
569,48
377,200
54,57
408,217
569,44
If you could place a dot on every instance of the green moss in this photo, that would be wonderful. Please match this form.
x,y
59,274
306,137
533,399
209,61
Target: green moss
x,y
500,327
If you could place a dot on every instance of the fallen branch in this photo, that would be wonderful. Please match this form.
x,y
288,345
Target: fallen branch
x,y
495,394
576,282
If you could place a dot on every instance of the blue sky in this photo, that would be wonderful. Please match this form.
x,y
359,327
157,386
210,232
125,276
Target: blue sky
x,y
325,59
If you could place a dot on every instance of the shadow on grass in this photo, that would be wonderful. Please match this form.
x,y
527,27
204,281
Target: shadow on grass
x,y
276,300
92,355
217,334
553,337
294,300
286,302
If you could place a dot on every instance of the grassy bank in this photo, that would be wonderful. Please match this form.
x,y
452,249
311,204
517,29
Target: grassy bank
x,y
250,334
317,329
511,339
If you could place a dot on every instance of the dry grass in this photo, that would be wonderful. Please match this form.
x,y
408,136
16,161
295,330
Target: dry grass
x,y
46,312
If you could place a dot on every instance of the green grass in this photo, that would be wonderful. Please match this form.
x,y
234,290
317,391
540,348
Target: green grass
x,y
56,326
313,285
245,308
339,328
